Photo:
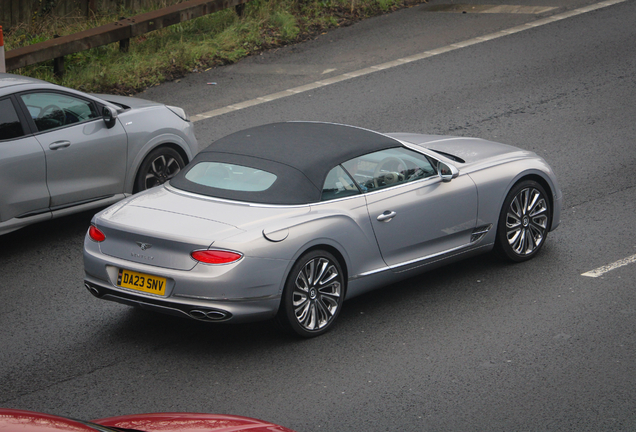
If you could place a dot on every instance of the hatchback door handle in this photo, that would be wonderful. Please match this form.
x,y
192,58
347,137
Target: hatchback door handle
x,y
59,144
386,216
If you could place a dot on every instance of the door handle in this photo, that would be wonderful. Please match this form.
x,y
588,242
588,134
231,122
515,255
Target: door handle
x,y
386,216
59,144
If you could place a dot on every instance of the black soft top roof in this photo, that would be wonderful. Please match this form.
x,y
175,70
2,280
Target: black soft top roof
x,y
300,154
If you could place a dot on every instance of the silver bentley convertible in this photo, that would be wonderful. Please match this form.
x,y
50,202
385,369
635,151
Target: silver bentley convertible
x,y
288,220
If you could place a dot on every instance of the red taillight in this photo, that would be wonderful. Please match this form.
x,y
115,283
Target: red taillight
x,y
216,256
96,234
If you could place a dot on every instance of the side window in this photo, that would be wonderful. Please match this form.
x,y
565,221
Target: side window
x,y
10,126
338,184
389,167
54,110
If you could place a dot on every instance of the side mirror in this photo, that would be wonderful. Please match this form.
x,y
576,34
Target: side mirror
x,y
110,116
447,172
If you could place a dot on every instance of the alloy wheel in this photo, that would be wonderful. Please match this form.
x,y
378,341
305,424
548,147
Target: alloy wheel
x,y
317,293
527,221
161,169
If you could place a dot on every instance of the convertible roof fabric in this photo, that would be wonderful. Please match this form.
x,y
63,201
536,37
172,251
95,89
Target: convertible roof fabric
x,y
300,154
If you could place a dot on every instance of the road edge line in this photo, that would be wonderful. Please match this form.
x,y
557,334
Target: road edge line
x,y
401,61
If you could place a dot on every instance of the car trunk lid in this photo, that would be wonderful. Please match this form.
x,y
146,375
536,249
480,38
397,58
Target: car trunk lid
x,y
162,226
144,231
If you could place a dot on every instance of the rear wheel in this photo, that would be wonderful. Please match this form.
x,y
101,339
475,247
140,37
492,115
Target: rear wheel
x,y
158,167
524,221
313,295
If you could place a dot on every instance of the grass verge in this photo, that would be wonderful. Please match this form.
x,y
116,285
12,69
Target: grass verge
x,y
213,40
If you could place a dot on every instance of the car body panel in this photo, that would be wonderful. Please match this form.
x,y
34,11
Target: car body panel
x,y
471,150
92,166
431,217
23,179
81,165
127,101
436,222
12,420
142,138
27,421
152,245
494,167
190,422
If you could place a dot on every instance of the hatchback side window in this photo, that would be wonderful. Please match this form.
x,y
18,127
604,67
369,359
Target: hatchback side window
x,y
10,126
338,184
54,110
389,167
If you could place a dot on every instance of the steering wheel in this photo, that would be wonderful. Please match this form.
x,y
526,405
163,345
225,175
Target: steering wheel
x,y
388,177
54,110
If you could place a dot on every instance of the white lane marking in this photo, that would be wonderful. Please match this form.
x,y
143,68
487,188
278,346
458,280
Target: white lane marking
x,y
399,62
497,9
602,270
518,9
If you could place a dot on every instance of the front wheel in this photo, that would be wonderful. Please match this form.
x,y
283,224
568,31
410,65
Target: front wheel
x,y
524,221
158,167
313,295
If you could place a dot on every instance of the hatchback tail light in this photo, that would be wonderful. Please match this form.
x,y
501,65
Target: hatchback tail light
x,y
216,256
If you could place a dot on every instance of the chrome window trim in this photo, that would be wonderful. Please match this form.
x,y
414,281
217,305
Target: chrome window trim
x,y
175,190
317,203
261,205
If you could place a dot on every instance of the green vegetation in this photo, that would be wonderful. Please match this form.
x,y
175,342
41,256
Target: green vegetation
x,y
212,40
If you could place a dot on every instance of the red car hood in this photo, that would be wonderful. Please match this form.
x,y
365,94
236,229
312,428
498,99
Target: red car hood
x,y
190,422
12,420
28,421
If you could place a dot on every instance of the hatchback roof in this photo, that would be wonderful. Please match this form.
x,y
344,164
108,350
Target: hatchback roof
x,y
7,80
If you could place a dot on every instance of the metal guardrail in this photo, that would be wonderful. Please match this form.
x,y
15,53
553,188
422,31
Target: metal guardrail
x,y
121,31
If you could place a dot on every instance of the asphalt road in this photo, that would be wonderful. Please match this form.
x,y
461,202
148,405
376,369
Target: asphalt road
x,y
480,345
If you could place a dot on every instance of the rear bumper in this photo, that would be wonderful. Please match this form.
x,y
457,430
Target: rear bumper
x,y
211,311
249,290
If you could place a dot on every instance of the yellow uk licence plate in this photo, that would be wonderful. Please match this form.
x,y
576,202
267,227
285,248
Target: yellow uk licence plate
x,y
141,282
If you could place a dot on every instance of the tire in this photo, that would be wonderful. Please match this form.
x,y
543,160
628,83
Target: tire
x,y
313,295
524,221
158,167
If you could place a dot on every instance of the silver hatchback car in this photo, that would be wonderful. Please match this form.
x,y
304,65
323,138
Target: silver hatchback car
x,y
63,151
288,220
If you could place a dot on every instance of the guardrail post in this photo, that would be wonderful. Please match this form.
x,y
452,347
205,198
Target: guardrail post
x,y
3,67
124,45
58,63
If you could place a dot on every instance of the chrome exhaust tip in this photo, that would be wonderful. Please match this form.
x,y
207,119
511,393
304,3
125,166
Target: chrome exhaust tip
x,y
93,290
209,315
